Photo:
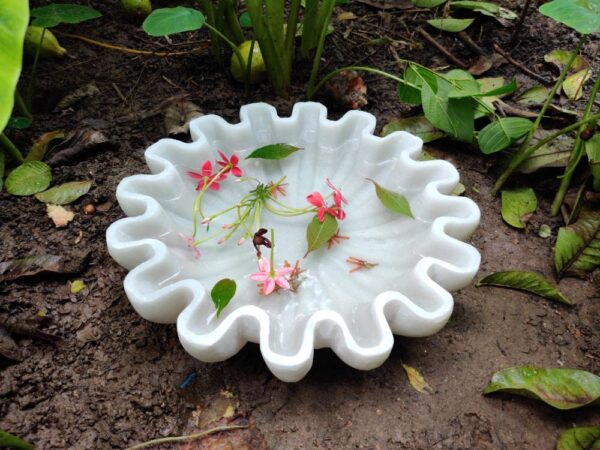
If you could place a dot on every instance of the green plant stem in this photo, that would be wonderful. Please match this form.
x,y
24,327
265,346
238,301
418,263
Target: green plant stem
x,y
234,48
328,6
21,106
576,153
330,75
248,71
215,43
189,437
290,35
29,89
233,22
272,253
523,151
12,150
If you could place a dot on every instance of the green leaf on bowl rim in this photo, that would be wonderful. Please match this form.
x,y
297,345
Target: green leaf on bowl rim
x,y
273,151
222,293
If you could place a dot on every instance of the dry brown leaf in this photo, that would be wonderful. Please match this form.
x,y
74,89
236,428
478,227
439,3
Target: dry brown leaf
x,y
87,90
346,15
416,380
78,144
40,265
59,215
178,114
40,146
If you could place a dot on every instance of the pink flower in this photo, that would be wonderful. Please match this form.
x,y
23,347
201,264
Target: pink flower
x,y
338,198
271,279
316,199
230,163
189,240
206,176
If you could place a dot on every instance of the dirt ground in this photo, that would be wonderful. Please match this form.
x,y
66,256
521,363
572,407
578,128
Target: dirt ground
x,y
115,379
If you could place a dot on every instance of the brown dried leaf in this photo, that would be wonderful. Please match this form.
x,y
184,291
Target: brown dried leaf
x,y
8,346
41,265
59,215
40,146
178,114
416,380
87,90
78,144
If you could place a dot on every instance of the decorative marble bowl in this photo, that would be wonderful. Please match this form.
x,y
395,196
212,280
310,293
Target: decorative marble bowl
x,y
354,313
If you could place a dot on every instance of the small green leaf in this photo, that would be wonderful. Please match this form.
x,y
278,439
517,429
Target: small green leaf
x,y
392,200
419,126
561,57
319,233
77,286
166,21
592,148
580,438
450,24
577,249
274,151
245,20
518,205
501,133
525,281
560,388
409,94
535,95
14,442
29,178
19,123
56,13
64,193
427,3
581,15
222,293
476,5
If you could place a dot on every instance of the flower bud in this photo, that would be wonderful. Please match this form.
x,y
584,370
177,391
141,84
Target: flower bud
x,y
50,46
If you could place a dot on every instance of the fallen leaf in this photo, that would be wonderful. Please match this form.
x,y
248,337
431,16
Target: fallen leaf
x,y
59,215
346,15
77,286
580,438
64,193
87,90
18,326
553,154
416,380
573,84
545,231
179,111
518,205
40,146
525,281
535,95
486,62
459,189
41,265
29,178
419,126
577,245
560,388
8,346
77,145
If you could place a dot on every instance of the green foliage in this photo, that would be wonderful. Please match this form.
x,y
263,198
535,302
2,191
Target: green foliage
x,y
577,249
592,149
525,281
392,200
580,438
427,3
418,125
274,151
451,24
518,205
56,13
222,293
64,193
319,233
501,133
29,178
581,15
560,388
13,24
167,21
8,440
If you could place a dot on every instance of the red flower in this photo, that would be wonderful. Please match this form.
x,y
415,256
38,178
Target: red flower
x,y
206,176
231,164
338,198
316,199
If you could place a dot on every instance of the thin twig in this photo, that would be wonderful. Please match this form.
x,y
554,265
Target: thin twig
x,y
132,51
518,65
519,26
189,437
442,49
463,36
119,93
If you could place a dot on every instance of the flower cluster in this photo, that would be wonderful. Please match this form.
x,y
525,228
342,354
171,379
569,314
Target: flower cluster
x,y
209,180
335,210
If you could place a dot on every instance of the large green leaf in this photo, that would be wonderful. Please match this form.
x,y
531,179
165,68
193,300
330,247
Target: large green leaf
x,y
581,15
64,193
501,133
517,206
29,178
455,116
525,281
580,438
14,15
577,249
415,76
166,21
560,388
56,13
418,125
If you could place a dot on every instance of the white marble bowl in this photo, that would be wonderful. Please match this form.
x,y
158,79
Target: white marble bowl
x,y
419,260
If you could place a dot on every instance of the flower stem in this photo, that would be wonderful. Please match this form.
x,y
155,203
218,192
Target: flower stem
x,y
272,253
576,154
167,440
524,152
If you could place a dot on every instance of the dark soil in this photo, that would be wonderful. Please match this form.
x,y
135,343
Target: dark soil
x,y
115,379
